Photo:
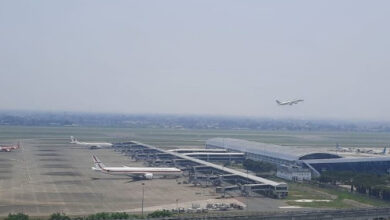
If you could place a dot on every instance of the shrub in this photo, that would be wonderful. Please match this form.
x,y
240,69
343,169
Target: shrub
x,y
18,216
120,215
99,216
160,213
90,217
59,216
109,216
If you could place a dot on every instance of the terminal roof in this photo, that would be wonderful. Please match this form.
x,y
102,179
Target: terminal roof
x,y
289,153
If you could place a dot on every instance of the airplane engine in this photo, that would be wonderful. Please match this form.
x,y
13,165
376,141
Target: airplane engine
x,y
148,176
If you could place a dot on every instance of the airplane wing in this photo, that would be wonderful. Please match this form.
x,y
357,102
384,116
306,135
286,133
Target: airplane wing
x,y
296,101
93,147
289,102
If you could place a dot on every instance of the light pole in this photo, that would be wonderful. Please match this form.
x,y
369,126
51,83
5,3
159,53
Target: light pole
x,y
143,190
246,197
177,204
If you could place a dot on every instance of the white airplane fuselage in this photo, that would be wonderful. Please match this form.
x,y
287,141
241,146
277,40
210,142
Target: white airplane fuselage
x,y
145,172
97,144
90,144
138,170
292,102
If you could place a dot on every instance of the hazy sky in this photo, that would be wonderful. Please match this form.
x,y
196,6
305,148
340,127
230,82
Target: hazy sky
x,y
197,57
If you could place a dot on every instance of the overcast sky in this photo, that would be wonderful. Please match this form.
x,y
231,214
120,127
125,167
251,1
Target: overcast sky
x,y
197,57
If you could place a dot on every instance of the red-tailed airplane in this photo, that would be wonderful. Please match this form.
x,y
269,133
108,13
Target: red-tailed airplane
x,y
140,172
9,148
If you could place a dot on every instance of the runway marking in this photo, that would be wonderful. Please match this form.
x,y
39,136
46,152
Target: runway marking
x,y
26,165
29,180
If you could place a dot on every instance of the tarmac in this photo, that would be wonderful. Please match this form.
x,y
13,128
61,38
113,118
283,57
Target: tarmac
x,y
50,175
47,176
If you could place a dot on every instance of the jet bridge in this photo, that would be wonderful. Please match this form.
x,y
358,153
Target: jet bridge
x,y
251,184
198,150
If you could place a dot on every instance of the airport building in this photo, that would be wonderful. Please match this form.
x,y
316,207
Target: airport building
x,y
223,157
200,171
293,173
197,150
316,160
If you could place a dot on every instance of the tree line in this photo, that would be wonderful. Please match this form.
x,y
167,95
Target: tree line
x,y
97,216
371,184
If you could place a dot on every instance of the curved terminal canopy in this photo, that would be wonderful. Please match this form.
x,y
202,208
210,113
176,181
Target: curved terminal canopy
x,y
319,156
270,152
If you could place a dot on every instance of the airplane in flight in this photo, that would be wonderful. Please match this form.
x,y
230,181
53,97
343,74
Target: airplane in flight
x,y
136,172
292,102
92,145
9,148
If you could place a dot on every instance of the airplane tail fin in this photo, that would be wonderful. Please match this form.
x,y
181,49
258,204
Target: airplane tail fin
x,y
73,140
98,163
384,150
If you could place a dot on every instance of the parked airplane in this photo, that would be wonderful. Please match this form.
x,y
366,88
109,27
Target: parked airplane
x,y
343,149
384,151
292,102
140,172
371,151
9,148
92,145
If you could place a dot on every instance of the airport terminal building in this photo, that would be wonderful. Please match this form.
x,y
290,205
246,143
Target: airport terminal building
x,y
317,161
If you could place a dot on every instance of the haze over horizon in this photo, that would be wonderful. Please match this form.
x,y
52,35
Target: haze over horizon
x,y
197,57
